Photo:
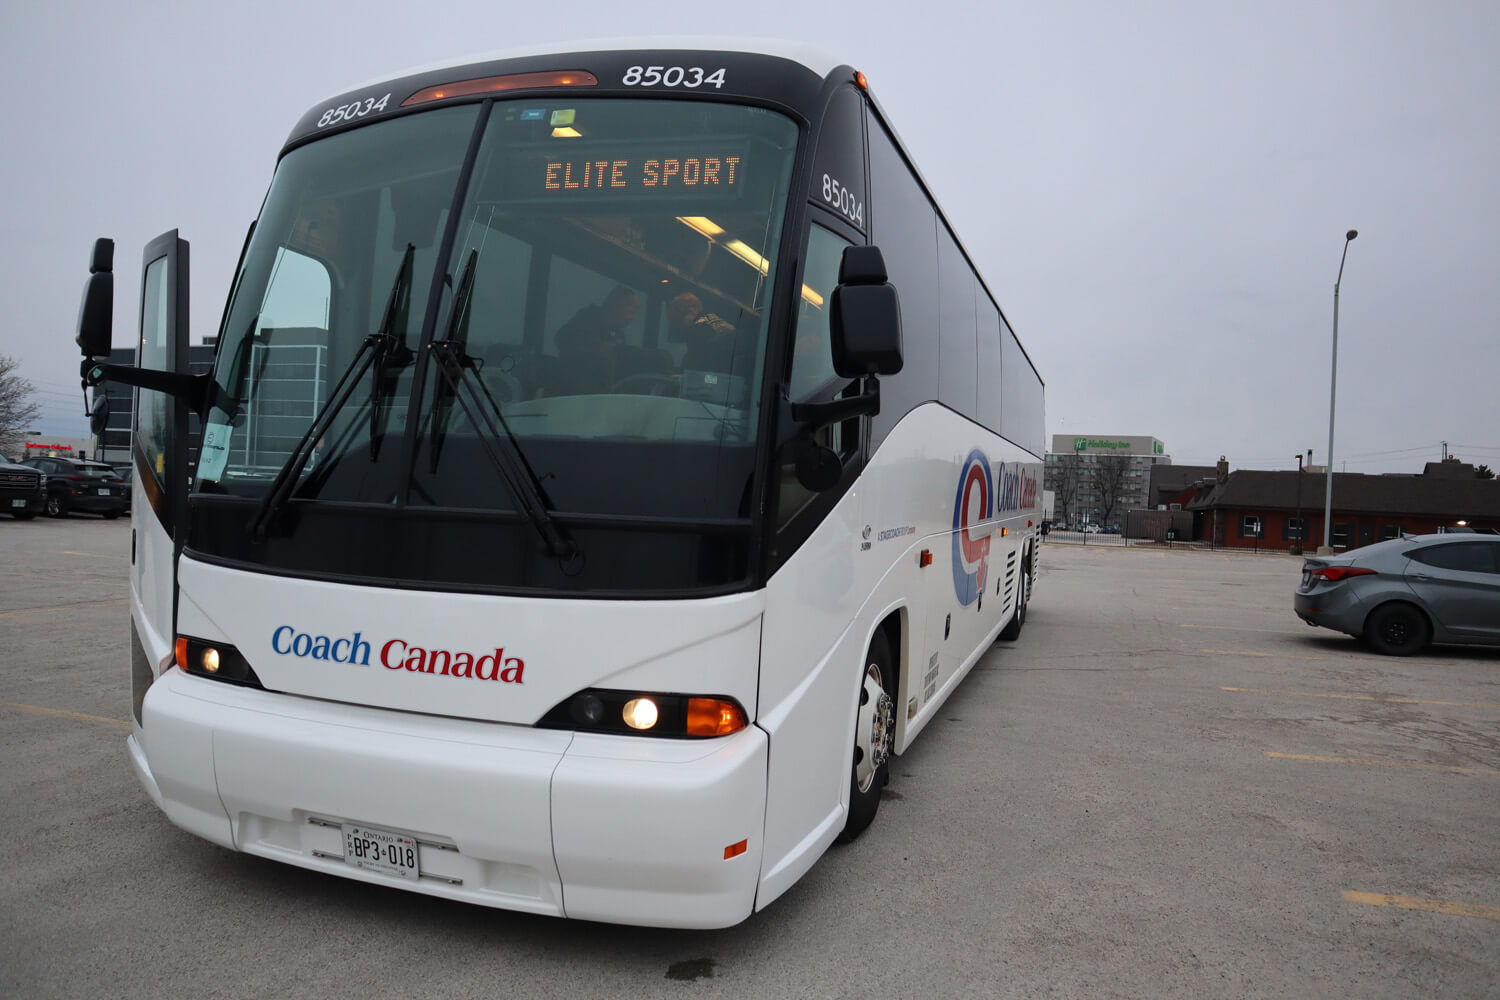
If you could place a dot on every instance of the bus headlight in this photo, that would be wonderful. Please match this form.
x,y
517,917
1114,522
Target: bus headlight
x,y
637,713
217,660
640,713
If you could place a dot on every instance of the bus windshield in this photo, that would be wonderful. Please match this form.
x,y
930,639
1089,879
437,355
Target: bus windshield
x,y
606,295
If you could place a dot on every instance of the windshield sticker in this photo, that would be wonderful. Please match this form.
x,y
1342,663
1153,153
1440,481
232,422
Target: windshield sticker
x,y
214,453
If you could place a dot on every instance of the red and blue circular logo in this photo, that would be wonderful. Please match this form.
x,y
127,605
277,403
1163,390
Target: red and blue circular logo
x,y
974,503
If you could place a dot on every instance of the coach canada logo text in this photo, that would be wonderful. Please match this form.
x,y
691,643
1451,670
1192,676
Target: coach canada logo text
x,y
398,654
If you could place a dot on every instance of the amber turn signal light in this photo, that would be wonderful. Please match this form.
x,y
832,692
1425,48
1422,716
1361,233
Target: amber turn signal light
x,y
714,717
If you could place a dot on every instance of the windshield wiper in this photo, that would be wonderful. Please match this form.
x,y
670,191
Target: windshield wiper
x,y
391,352
377,345
461,383
457,334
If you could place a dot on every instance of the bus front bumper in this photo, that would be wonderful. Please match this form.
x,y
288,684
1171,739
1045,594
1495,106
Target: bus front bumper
x,y
619,829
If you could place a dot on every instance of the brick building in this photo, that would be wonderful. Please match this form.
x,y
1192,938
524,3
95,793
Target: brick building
x,y
1255,509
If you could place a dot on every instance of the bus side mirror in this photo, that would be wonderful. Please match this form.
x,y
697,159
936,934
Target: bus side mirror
x,y
99,412
96,312
865,317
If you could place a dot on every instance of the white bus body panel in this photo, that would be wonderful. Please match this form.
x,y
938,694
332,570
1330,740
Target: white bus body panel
x,y
860,566
536,651
624,829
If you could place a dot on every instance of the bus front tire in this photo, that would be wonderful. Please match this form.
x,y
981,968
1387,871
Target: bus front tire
x,y
874,732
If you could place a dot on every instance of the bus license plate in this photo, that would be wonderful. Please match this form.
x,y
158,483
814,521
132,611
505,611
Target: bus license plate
x,y
381,851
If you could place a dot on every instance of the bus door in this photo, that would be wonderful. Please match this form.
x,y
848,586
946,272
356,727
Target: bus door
x,y
159,454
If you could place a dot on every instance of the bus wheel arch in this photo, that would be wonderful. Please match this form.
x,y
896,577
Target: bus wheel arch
x,y
1012,629
874,730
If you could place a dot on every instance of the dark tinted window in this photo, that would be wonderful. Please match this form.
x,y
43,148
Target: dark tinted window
x,y
1472,557
991,382
956,374
904,226
1021,397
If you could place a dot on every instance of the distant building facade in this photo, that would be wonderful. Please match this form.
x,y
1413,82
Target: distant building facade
x,y
1279,510
35,445
1099,478
113,446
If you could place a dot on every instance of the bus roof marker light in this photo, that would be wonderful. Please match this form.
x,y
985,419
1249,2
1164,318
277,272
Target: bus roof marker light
x,y
497,84
861,81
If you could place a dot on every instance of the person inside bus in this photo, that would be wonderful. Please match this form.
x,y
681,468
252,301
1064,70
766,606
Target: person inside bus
x,y
595,356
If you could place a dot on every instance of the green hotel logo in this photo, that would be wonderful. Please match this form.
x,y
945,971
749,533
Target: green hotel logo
x,y
1083,444
1079,444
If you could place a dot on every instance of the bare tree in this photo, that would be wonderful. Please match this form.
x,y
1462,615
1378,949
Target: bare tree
x,y
1068,477
17,408
1108,473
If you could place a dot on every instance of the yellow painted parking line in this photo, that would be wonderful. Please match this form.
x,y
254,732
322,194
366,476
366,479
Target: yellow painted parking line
x,y
1241,628
1366,697
1387,661
1402,764
1425,905
64,608
80,716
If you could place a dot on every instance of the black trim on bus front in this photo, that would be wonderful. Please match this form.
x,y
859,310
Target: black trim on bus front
x,y
749,78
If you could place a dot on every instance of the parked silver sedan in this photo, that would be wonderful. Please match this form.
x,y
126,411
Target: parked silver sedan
x,y
1402,594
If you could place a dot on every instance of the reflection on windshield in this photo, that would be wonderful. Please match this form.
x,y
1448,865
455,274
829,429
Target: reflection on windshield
x,y
621,254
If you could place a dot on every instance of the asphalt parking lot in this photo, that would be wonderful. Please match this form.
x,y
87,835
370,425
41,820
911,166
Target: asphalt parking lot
x,y
1168,787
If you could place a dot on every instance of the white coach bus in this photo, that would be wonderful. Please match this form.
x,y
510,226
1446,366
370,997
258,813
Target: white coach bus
x,y
611,459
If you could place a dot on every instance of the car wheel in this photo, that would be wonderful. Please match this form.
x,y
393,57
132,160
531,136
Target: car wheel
x,y
874,732
55,507
1012,629
1397,629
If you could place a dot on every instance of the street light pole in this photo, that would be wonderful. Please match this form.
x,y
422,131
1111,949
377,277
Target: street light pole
x,y
1301,531
1333,382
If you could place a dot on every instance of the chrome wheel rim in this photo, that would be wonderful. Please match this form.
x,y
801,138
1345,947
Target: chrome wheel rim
x,y
873,732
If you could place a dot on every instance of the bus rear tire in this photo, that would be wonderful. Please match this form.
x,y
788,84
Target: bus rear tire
x,y
1012,629
874,732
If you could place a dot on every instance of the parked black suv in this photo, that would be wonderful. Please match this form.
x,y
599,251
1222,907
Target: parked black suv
x,y
74,484
22,494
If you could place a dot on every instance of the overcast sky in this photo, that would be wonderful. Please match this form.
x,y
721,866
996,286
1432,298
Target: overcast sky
x,y
1157,193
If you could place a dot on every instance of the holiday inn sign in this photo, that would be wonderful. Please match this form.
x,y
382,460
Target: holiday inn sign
x,y
1126,445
